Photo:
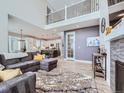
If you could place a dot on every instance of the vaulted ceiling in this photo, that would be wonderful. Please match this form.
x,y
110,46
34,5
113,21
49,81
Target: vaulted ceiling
x,y
15,24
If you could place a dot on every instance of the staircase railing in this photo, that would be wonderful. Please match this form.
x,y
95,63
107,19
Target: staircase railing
x,y
119,23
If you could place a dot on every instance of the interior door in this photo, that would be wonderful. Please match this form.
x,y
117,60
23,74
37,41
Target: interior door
x,y
70,45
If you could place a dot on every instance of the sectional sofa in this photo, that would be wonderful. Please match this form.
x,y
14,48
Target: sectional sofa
x,y
22,84
51,53
24,61
26,82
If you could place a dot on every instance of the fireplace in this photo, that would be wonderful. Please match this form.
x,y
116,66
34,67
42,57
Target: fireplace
x,y
117,67
119,77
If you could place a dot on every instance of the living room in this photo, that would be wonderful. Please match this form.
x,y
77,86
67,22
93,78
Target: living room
x,y
67,46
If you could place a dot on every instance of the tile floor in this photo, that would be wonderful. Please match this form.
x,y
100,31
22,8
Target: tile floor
x,y
86,69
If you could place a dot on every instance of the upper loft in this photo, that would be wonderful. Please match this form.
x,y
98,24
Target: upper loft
x,y
113,2
77,9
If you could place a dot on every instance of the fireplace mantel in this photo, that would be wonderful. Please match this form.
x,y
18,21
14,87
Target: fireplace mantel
x,y
117,32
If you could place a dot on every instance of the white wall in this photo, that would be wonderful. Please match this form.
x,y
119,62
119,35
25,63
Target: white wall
x,y
3,30
105,13
32,11
15,24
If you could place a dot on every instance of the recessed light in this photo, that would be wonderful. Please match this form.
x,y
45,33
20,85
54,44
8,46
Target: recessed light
x,y
120,15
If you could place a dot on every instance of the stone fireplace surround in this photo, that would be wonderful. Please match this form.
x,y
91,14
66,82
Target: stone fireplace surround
x,y
117,53
114,43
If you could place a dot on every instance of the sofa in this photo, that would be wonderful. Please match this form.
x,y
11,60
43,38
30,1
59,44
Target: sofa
x,y
51,53
22,84
25,63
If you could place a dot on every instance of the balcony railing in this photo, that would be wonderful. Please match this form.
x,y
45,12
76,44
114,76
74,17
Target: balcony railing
x,y
75,10
112,2
118,24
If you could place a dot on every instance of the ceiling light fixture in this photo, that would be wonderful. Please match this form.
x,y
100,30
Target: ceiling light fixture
x,y
121,15
22,42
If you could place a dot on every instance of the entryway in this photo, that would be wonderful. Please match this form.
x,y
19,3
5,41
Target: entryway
x,y
70,45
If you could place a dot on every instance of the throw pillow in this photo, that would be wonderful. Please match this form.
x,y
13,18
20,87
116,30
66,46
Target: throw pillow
x,y
39,57
1,67
9,74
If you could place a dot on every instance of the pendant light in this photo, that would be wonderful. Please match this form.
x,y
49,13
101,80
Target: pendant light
x,y
22,42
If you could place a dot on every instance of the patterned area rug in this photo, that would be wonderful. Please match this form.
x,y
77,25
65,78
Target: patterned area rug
x,y
67,82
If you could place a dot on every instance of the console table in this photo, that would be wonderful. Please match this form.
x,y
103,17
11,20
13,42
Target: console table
x,y
98,60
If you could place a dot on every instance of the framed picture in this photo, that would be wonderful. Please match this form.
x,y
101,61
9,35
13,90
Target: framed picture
x,y
93,41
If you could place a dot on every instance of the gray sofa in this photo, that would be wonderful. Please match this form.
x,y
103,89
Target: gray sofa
x,y
25,63
51,53
22,84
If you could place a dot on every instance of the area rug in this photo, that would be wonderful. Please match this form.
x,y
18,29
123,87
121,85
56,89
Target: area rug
x,y
66,82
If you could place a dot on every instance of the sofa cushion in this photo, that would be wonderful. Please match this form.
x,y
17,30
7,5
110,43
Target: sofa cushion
x,y
2,59
23,65
49,61
12,58
39,57
5,62
14,55
22,84
9,74
12,61
28,58
32,54
1,67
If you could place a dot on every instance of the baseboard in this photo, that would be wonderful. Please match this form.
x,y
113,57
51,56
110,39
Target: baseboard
x,y
81,61
84,61
69,59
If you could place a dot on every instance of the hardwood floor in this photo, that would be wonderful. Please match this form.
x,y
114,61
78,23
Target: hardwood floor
x,y
86,69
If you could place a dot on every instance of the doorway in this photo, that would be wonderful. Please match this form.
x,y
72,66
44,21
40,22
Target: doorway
x,y
70,45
